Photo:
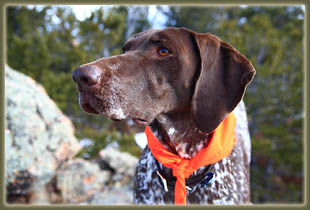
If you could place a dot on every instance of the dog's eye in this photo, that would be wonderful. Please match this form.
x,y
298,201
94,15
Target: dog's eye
x,y
163,52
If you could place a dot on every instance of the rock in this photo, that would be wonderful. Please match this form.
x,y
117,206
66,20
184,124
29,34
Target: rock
x,y
123,163
113,196
38,136
108,180
77,181
39,150
21,189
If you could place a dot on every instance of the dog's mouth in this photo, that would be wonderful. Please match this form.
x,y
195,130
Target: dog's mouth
x,y
86,105
140,122
87,108
91,104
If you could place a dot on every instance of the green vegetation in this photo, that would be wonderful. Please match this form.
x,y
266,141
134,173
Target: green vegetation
x,y
49,43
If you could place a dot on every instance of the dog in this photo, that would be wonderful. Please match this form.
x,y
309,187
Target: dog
x,y
181,84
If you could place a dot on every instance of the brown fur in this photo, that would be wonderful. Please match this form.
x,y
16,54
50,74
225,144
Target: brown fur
x,y
183,96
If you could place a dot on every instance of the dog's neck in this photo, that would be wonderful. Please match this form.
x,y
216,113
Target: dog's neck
x,y
178,133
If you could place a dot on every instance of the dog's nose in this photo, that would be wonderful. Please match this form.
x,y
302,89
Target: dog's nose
x,y
86,76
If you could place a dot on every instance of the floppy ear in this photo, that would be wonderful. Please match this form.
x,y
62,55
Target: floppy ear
x,y
224,76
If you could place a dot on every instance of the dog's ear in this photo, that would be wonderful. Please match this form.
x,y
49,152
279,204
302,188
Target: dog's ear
x,y
224,76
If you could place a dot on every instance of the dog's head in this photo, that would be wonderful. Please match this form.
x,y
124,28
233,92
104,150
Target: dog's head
x,y
166,71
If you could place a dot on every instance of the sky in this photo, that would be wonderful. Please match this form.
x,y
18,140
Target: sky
x,y
84,11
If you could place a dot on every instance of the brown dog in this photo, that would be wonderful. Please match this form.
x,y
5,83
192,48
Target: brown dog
x,y
182,84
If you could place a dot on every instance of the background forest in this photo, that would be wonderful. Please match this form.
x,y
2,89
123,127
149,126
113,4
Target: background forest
x,y
48,43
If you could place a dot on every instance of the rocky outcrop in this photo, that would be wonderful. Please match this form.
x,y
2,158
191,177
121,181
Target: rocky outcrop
x,y
77,181
123,163
38,137
39,150
108,180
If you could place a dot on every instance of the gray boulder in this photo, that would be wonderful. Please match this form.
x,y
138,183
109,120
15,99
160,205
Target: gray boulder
x,y
38,136
39,150
123,163
113,196
78,181
85,182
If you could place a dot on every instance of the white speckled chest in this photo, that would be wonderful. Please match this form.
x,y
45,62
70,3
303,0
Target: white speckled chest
x,y
231,175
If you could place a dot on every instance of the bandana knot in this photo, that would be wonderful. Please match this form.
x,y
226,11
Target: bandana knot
x,y
181,169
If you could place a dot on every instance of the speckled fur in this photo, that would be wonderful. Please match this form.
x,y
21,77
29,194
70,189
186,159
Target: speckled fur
x,y
182,96
231,175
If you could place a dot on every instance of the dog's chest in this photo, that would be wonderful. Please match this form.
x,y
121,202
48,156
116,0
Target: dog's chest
x,y
230,185
147,184
231,175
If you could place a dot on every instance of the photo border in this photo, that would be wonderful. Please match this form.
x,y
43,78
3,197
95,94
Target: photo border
x,y
306,3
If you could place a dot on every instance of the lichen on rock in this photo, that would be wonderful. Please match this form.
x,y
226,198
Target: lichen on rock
x,y
38,136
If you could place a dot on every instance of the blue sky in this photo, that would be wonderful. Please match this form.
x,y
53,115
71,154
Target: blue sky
x,y
84,11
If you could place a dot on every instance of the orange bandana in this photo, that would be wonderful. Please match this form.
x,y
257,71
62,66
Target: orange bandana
x,y
220,146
